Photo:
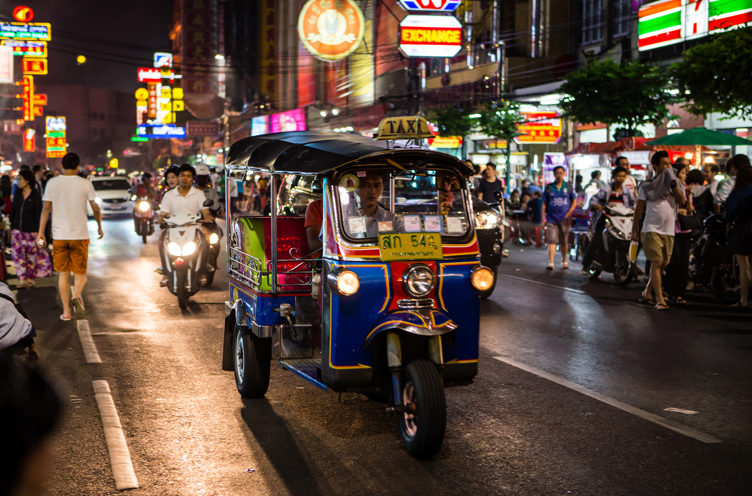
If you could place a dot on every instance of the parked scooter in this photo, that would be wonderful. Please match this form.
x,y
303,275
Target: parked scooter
x,y
144,216
613,257
711,266
185,255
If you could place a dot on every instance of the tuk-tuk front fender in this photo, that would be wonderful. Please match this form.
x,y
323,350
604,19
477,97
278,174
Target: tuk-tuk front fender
x,y
423,322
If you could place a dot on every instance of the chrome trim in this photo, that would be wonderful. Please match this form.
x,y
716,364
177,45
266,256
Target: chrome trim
x,y
412,269
273,201
262,331
414,303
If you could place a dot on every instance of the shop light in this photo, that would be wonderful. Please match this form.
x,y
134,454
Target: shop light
x,y
474,116
219,56
709,160
323,113
335,111
349,128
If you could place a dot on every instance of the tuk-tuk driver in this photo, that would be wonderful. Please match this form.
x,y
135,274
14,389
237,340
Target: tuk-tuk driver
x,y
368,193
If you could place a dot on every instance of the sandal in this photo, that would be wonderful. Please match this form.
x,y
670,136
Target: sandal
x,y
565,265
644,298
680,301
738,307
550,266
661,306
66,318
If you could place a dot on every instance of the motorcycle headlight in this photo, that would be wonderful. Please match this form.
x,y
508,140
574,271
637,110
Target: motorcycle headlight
x,y
418,280
174,249
144,206
482,278
488,219
213,238
189,248
343,282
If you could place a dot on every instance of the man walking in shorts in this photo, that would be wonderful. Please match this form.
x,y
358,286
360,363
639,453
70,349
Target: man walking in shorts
x,y
658,198
66,195
558,205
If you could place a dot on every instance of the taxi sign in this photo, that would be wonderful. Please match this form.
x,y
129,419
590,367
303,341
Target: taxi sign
x,y
410,246
394,128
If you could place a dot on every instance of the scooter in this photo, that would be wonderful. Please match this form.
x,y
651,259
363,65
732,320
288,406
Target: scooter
x,y
215,240
614,256
144,216
711,266
185,255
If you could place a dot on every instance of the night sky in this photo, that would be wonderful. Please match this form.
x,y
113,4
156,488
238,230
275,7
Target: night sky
x,y
116,36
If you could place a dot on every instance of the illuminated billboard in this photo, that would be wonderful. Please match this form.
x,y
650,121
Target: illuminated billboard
x,y
431,5
292,120
160,131
34,31
259,125
672,21
331,31
27,48
430,36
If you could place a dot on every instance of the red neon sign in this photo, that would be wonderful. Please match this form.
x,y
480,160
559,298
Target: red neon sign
x,y
149,75
23,14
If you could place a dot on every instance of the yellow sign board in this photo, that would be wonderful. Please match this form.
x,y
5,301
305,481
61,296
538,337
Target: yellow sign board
x,y
399,128
142,94
410,246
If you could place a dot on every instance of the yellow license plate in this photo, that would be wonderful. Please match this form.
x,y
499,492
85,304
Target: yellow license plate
x,y
410,246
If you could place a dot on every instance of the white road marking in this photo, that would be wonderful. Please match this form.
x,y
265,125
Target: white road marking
x,y
87,343
563,288
120,457
668,424
680,410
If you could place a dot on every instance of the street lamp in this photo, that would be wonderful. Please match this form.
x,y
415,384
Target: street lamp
x,y
81,60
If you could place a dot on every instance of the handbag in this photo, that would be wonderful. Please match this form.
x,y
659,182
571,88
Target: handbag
x,y
690,222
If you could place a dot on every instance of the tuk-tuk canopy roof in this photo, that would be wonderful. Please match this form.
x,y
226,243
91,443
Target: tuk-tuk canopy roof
x,y
318,152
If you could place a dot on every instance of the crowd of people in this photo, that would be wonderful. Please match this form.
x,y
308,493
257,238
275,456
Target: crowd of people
x,y
669,209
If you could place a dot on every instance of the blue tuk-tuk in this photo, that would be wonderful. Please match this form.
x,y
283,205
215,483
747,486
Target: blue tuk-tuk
x,y
389,303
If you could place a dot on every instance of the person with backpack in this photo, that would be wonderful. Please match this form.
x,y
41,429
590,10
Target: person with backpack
x,y
558,205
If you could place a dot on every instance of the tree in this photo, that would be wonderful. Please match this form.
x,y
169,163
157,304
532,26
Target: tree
x,y
502,122
631,94
715,76
452,121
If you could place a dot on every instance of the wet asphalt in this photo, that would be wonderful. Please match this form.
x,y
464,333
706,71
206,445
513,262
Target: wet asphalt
x,y
510,432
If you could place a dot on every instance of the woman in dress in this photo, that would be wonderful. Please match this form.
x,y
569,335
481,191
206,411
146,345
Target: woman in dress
x,y
31,262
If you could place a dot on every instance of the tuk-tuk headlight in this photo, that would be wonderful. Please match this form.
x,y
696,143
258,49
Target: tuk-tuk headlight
x,y
482,278
418,280
487,219
174,249
343,282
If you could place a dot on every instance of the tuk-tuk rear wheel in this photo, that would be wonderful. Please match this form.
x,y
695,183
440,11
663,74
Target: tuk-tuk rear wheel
x,y
252,362
423,431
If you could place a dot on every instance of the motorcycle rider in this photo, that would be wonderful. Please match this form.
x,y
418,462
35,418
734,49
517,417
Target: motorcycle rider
x,y
204,183
170,182
144,190
610,194
184,199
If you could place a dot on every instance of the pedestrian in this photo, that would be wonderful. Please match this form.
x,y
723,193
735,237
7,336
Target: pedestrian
x,y
611,194
578,184
489,185
725,186
30,410
40,182
66,196
675,282
16,331
739,216
14,188
558,205
595,180
6,186
709,171
658,198
702,196
31,261
56,172
630,183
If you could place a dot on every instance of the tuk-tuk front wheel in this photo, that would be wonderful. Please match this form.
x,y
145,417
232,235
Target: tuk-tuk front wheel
x,y
252,359
423,423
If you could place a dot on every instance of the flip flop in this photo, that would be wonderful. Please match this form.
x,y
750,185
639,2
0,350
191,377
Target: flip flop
x,y
565,265
661,307
644,298
78,306
66,318
550,266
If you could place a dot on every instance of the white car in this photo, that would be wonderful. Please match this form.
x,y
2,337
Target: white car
x,y
113,195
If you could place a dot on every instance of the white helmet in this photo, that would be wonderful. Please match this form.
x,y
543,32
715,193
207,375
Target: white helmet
x,y
202,170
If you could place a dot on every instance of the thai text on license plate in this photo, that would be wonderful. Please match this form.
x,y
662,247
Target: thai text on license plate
x,y
410,246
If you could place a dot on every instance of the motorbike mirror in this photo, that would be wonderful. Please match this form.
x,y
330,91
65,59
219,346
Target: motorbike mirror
x,y
209,203
498,196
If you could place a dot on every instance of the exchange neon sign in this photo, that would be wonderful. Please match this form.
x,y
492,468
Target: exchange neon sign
x,y
430,36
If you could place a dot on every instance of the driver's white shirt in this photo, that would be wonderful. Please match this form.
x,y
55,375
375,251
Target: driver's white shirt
x,y
173,203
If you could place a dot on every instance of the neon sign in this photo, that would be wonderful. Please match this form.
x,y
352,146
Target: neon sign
x,y
23,14
431,5
27,48
430,36
34,31
160,131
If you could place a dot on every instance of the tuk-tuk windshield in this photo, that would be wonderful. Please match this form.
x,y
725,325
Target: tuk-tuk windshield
x,y
424,201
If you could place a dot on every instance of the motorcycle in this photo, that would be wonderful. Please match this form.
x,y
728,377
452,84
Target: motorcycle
x,y
613,257
215,240
144,215
709,264
185,255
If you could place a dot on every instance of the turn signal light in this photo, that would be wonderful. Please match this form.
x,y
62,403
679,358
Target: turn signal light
x,y
482,278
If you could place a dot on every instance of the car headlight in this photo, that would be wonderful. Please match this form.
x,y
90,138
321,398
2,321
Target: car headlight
x,y
482,278
189,248
343,282
487,219
418,280
174,249
213,238
144,206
